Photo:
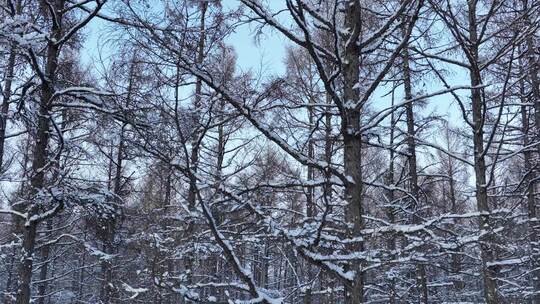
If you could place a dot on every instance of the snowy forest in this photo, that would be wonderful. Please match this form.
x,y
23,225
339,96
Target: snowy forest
x,y
389,152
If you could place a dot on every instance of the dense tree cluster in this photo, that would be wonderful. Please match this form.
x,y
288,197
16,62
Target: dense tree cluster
x,y
394,160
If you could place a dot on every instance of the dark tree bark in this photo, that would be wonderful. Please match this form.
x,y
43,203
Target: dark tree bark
x,y
530,183
353,145
421,278
478,110
533,71
40,154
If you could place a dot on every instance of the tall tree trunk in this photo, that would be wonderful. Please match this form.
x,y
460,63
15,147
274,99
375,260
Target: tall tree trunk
x,y
478,109
168,193
310,201
354,291
6,94
17,228
534,224
40,154
421,279
531,199
4,109
45,252
490,292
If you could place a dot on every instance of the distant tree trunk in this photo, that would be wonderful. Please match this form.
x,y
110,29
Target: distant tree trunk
x,y
80,278
310,203
168,194
221,145
328,145
197,104
9,280
390,195
215,261
413,173
5,102
456,261
4,109
194,158
353,146
6,94
107,229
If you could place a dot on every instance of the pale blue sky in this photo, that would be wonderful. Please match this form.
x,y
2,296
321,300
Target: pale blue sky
x,y
267,53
